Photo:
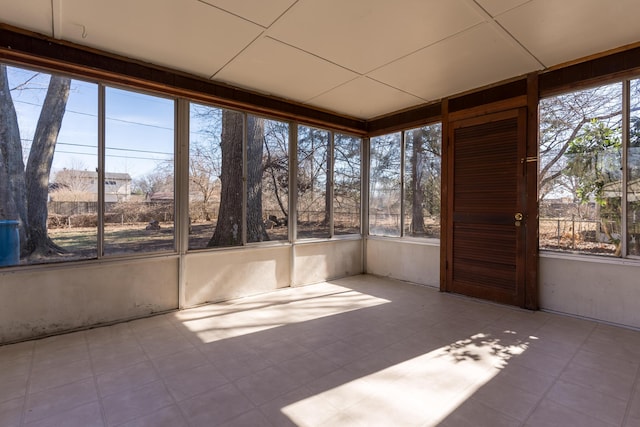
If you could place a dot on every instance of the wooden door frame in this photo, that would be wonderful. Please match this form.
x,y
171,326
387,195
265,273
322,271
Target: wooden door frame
x,y
530,168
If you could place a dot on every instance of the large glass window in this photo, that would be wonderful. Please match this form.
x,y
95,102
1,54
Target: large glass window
x,y
346,184
314,187
422,181
385,185
404,183
267,180
48,161
580,179
138,173
205,171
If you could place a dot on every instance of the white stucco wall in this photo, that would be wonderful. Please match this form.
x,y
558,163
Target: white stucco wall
x,y
48,299
598,288
408,259
319,261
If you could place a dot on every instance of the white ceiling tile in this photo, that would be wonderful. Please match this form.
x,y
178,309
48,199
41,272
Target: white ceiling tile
x,y
364,98
560,31
262,12
189,36
475,58
365,34
272,67
33,15
496,7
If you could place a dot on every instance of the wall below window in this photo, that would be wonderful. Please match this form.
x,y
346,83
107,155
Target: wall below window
x,y
50,299
409,260
601,289
53,299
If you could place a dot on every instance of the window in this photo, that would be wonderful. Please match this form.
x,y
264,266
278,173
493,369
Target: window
x,y
404,183
48,159
346,184
582,179
385,184
314,186
268,180
422,181
139,173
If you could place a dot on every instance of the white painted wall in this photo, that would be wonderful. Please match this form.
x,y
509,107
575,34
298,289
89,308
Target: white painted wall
x,y
219,275
49,299
407,259
594,287
319,261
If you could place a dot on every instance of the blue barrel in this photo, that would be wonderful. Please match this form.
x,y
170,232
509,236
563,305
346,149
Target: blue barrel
x,y
9,242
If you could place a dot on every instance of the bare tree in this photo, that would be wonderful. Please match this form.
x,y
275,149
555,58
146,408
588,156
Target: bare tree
x,y
25,196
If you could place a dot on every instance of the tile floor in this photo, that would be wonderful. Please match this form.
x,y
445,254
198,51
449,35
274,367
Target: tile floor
x,y
360,351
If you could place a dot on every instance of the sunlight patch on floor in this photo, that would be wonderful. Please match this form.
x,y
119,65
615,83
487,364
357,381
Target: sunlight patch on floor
x,y
251,315
424,389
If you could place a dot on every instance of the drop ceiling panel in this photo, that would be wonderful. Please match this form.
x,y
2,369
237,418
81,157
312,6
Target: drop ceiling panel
x,y
475,58
365,34
186,35
364,98
496,7
262,12
560,31
275,68
33,15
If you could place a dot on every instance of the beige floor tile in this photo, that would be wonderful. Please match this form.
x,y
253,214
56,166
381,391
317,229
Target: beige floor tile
x,y
189,383
51,402
588,401
171,416
45,358
264,386
253,418
88,415
11,412
616,386
551,414
59,374
300,408
105,359
524,378
216,406
12,352
514,402
472,413
129,405
607,363
13,387
175,363
124,380
341,388
632,417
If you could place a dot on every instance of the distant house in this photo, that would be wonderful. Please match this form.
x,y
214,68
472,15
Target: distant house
x,y
82,185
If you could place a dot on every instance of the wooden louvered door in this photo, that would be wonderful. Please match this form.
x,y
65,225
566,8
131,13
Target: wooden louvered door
x,y
486,250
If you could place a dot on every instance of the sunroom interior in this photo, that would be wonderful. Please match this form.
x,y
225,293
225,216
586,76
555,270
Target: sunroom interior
x,y
486,149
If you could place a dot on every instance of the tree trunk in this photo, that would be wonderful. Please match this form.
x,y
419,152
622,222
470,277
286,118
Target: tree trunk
x,y
39,164
256,230
13,200
228,231
417,191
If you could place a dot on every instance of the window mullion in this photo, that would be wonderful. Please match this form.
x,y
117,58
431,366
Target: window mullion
x,y
402,181
626,111
101,166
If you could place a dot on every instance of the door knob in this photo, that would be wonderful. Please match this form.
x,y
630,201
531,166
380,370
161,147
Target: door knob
x,y
518,216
